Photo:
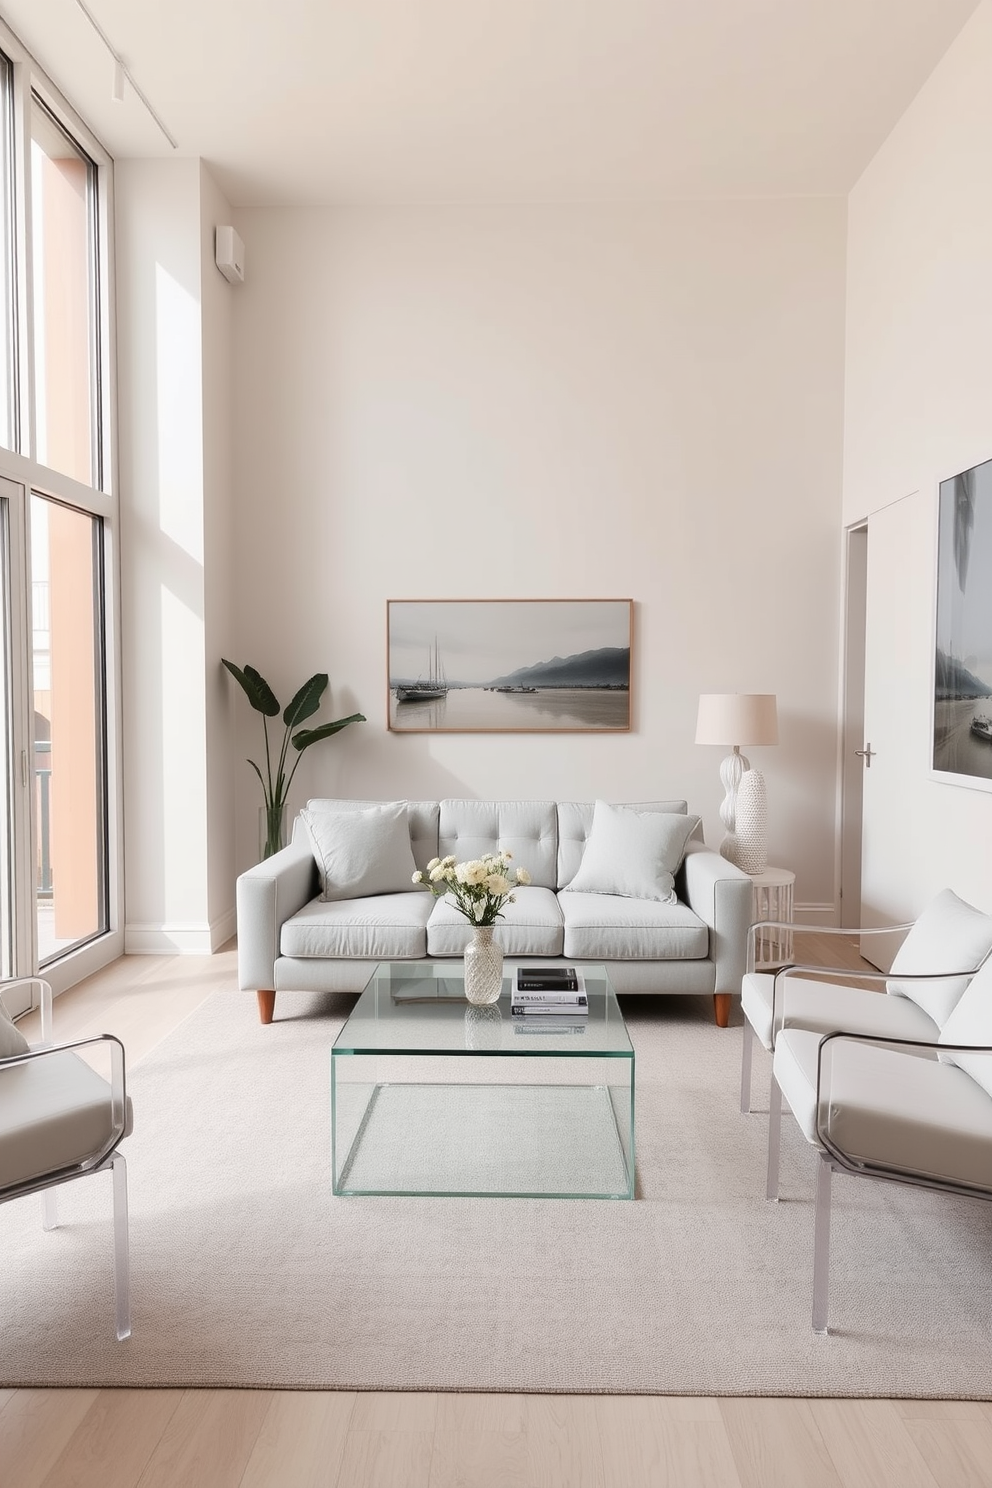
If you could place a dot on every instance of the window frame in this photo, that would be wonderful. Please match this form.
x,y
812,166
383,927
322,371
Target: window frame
x,y
98,499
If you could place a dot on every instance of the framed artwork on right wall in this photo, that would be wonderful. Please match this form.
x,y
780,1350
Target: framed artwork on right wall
x,y
962,678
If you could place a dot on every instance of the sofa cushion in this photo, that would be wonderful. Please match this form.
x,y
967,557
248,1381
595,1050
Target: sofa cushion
x,y
575,820
827,1007
605,927
891,1107
531,926
527,829
385,927
971,1023
422,818
950,935
634,854
359,853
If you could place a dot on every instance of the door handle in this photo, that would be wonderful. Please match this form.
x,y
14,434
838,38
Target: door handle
x,y
867,754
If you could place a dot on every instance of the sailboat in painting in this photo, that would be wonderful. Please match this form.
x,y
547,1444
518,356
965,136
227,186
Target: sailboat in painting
x,y
426,690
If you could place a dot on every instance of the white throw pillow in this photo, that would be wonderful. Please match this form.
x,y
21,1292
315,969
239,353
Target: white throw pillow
x,y
949,935
634,854
12,1040
359,853
971,1023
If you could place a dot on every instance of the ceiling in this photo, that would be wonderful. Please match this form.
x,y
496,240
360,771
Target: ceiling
x,y
297,102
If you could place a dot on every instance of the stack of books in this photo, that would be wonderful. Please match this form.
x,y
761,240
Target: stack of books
x,y
548,991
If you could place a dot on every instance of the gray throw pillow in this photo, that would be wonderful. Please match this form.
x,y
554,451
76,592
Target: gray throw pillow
x,y
12,1040
634,854
359,853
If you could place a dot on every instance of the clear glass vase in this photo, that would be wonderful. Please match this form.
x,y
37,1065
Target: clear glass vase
x,y
483,967
271,830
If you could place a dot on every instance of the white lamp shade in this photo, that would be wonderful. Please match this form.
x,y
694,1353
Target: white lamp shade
x,y
737,718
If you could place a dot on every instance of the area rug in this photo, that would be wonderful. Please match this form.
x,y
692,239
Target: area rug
x,y
246,1271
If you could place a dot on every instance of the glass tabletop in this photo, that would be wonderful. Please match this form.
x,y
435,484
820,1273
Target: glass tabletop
x,y
409,1007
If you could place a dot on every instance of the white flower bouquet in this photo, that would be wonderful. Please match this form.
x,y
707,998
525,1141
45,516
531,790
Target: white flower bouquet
x,y
478,888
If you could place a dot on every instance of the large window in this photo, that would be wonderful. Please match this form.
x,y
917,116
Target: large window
x,y
64,316
57,531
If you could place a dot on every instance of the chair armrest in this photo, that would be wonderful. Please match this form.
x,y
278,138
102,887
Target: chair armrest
x,y
721,895
116,1098
798,925
827,1106
267,895
846,974
44,1002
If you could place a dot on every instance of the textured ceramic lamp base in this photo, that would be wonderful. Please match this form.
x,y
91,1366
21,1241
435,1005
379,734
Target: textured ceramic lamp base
x,y
752,823
483,967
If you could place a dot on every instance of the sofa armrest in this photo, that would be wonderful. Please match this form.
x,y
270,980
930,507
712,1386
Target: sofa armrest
x,y
267,895
721,894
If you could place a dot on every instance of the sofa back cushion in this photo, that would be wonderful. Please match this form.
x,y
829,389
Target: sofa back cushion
x,y
950,935
575,820
527,829
422,817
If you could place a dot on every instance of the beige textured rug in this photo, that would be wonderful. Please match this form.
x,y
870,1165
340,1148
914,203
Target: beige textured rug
x,y
246,1271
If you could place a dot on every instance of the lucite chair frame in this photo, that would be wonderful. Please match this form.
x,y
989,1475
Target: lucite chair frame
x,y
834,1158
104,1159
828,974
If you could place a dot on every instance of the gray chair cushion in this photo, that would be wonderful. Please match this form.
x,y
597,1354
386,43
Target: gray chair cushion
x,y
384,927
532,926
950,935
602,927
891,1107
527,829
54,1113
827,1007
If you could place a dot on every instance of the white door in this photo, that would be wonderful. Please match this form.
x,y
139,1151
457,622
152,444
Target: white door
x,y
897,727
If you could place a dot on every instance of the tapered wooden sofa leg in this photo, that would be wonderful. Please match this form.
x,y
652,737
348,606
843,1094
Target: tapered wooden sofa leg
x,y
266,1006
721,1007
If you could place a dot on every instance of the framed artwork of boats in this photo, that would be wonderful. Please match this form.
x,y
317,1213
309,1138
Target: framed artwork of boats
x,y
508,665
962,687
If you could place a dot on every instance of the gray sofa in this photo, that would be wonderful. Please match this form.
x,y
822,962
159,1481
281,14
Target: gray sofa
x,y
291,939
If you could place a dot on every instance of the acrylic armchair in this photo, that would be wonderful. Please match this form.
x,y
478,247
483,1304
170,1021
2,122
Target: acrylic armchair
x,y
61,1120
941,950
895,1110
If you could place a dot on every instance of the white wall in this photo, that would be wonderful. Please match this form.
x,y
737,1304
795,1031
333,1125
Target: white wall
x,y
173,346
919,408
570,402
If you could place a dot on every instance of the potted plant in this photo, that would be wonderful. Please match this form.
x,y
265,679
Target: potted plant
x,y
275,782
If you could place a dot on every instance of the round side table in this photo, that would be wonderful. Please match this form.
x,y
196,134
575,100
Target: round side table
x,y
773,900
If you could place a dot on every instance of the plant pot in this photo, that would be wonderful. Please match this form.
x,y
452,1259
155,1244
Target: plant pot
x,y
271,830
483,967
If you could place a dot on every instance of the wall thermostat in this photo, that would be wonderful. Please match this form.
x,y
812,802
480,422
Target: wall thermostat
x,y
229,253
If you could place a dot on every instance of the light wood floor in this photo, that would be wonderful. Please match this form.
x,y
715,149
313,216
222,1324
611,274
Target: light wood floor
x,y
285,1439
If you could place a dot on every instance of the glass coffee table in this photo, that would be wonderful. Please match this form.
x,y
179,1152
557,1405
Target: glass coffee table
x,y
432,1096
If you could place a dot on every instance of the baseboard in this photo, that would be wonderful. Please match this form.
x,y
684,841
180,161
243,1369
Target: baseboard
x,y
815,914
179,940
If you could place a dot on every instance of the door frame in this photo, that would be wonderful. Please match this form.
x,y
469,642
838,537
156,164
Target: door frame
x,y
850,766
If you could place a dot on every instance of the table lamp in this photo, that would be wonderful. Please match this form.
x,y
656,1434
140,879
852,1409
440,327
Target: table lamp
x,y
737,718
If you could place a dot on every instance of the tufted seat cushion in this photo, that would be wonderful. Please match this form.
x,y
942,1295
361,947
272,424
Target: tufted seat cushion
x,y
827,1007
604,927
891,1107
384,927
532,926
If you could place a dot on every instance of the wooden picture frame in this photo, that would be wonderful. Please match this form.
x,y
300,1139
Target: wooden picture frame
x,y
508,665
